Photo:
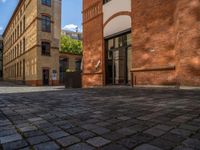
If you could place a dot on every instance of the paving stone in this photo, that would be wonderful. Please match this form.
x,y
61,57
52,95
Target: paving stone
x,y
98,141
58,134
182,148
192,143
15,145
147,147
85,135
32,133
113,136
74,130
27,128
164,127
182,119
164,144
35,119
81,146
103,124
114,147
181,132
123,118
47,146
5,122
67,141
10,138
126,131
100,130
7,132
155,132
38,139
51,129
173,137
67,126
196,136
139,127
189,127
141,138
89,126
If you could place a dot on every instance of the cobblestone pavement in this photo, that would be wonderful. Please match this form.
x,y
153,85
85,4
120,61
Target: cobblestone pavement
x,y
48,118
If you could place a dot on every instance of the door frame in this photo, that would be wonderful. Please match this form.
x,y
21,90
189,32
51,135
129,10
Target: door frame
x,y
43,81
107,60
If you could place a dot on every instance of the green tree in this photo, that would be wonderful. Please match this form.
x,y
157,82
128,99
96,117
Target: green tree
x,y
70,45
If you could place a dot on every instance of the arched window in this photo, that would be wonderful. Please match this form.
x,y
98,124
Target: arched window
x,y
46,23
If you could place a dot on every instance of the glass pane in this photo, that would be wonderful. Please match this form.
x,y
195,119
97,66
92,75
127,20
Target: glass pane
x,y
117,42
129,39
110,44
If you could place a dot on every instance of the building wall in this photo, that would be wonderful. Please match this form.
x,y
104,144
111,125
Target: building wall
x,y
1,57
165,40
188,42
166,33
154,41
25,45
93,61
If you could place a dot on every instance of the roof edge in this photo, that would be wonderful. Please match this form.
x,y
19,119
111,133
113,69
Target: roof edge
x,y
14,12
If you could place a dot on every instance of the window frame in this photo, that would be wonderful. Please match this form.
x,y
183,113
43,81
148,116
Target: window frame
x,y
44,52
106,1
46,23
46,2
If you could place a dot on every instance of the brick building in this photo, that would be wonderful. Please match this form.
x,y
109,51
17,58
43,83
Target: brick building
x,y
1,57
31,43
141,42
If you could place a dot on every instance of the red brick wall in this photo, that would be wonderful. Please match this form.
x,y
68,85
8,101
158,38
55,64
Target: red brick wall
x,y
165,33
154,40
188,42
92,43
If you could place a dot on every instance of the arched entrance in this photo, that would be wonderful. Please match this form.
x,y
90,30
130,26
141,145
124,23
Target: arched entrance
x,y
118,50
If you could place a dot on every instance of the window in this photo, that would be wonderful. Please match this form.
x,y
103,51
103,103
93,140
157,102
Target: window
x,y
46,48
46,2
24,45
78,65
46,24
106,1
24,23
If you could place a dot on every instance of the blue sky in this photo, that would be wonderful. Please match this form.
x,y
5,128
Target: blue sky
x,y
71,12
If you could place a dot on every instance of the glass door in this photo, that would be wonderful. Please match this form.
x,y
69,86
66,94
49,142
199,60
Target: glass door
x,y
119,66
118,59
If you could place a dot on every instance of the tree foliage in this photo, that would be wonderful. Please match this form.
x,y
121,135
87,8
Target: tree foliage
x,y
70,45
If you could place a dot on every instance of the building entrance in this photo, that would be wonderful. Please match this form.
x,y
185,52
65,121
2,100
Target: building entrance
x,y
118,60
45,76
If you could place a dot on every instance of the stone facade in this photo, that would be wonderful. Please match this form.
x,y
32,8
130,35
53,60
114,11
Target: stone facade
x,y
23,37
165,40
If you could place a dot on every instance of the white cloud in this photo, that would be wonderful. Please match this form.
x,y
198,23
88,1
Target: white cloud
x,y
1,28
3,1
71,27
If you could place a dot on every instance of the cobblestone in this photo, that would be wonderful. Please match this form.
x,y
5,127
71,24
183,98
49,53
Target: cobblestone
x,y
80,146
98,141
47,146
67,141
105,118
